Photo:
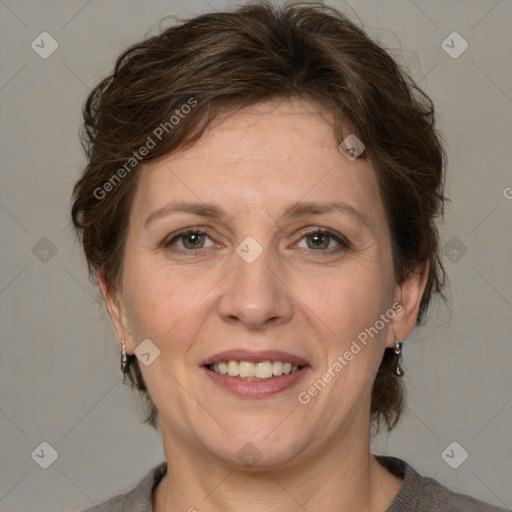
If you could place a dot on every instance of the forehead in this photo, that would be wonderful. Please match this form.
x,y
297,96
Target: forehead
x,y
262,156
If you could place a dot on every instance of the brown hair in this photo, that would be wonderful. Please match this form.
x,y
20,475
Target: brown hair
x,y
224,61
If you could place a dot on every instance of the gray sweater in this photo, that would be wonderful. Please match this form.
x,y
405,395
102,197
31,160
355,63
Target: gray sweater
x,y
417,494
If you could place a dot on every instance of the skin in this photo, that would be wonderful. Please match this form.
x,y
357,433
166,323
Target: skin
x,y
294,297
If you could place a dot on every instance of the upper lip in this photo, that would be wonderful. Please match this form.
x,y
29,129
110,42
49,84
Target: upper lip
x,y
255,357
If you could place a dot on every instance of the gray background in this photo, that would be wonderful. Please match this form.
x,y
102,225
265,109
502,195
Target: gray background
x,y
59,375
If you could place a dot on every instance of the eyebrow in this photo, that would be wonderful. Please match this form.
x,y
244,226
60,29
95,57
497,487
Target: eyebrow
x,y
296,210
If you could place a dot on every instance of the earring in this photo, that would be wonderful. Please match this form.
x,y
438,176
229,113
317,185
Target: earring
x,y
124,366
398,350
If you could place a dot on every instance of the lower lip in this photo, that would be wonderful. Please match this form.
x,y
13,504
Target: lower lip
x,y
256,388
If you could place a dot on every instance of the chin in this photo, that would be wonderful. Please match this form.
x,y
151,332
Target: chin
x,y
258,446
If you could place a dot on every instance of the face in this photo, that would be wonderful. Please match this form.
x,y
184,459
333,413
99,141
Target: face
x,y
286,258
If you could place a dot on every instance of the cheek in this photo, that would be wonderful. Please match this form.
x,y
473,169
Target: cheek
x,y
349,299
350,303
162,301
351,306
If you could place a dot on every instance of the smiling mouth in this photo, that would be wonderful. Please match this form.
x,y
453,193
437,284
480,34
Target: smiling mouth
x,y
249,371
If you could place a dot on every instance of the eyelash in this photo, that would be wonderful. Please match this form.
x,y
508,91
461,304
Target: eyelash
x,y
344,244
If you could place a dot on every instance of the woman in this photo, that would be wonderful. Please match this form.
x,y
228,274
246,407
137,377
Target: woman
x,y
258,209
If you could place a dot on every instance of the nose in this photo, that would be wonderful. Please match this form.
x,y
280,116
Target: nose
x,y
255,294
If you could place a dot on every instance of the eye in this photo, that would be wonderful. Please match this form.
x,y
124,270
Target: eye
x,y
318,240
323,239
190,239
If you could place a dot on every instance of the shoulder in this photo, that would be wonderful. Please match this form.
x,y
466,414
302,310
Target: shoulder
x,y
423,494
139,499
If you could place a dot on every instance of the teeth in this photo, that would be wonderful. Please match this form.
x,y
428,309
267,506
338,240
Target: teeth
x,y
247,370
277,368
232,369
263,370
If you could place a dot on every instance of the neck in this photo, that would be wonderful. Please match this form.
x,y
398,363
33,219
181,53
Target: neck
x,y
345,477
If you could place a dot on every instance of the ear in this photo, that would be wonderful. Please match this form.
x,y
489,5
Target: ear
x,y
408,295
117,313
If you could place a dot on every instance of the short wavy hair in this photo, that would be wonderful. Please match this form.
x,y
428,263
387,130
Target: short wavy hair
x,y
225,61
